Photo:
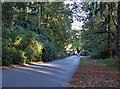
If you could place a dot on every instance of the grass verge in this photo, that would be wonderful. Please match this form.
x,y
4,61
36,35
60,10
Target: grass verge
x,y
95,73
110,62
84,60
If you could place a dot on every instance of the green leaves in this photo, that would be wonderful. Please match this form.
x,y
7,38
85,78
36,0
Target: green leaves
x,y
35,31
97,27
21,48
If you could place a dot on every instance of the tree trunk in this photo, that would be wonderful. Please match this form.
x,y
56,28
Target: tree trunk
x,y
40,14
109,48
118,32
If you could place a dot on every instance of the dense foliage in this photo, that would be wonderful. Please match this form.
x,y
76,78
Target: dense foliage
x,y
41,31
99,30
34,31
20,47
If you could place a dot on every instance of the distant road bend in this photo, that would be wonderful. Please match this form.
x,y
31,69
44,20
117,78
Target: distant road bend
x,y
52,74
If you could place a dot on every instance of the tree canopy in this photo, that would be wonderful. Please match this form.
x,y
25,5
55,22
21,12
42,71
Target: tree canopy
x,y
34,31
41,31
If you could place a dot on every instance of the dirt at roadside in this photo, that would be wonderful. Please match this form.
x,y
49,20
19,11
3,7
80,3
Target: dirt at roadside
x,y
9,67
17,66
94,75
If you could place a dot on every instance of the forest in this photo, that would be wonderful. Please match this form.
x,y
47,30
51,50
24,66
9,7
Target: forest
x,y
101,30
41,31
34,31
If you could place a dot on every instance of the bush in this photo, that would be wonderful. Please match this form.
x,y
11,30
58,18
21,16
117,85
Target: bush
x,y
20,58
34,51
8,52
21,45
10,56
48,52
98,54
21,48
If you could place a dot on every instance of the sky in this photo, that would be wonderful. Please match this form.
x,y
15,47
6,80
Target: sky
x,y
76,25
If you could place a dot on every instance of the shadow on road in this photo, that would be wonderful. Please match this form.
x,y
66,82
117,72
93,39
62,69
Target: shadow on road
x,y
53,74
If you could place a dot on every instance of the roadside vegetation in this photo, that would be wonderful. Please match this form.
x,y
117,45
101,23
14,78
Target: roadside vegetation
x,y
97,73
109,62
84,60
33,32
43,32
100,30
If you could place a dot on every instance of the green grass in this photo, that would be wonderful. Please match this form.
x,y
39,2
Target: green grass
x,y
84,61
110,62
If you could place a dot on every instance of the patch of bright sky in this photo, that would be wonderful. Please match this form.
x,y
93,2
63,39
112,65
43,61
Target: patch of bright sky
x,y
76,25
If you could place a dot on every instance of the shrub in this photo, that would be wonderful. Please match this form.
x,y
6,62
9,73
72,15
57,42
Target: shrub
x,y
7,52
21,45
98,54
32,49
20,57
21,48
48,52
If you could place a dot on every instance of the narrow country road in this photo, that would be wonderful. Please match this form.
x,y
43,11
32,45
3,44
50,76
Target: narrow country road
x,y
53,74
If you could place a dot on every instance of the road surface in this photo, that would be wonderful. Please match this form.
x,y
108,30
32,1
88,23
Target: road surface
x,y
53,74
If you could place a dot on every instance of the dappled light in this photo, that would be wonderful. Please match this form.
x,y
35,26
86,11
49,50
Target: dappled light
x,y
54,72
46,68
47,44
35,70
52,65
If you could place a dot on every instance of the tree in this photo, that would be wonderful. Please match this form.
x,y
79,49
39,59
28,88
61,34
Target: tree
x,y
118,32
109,49
99,27
22,20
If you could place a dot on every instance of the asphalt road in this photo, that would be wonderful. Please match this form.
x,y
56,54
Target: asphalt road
x,y
53,74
